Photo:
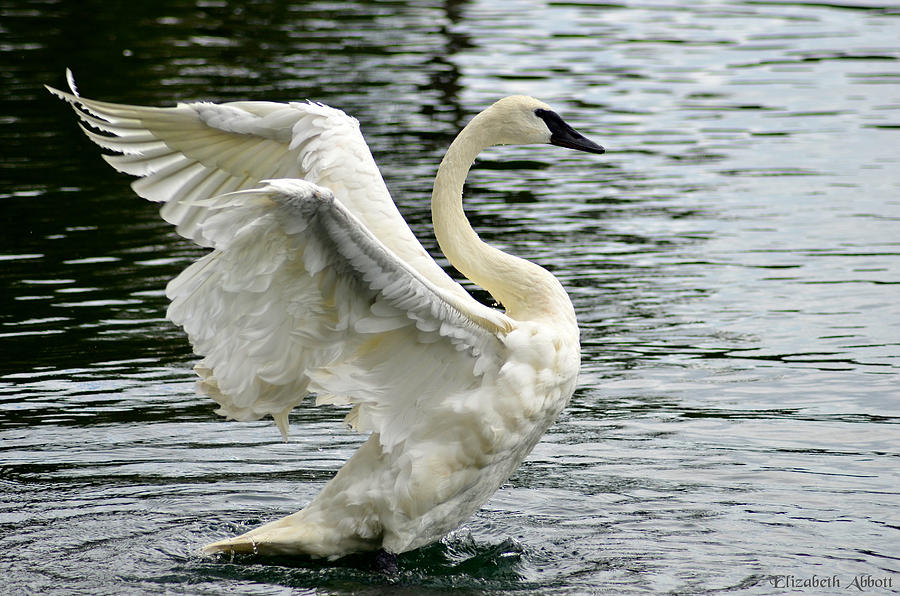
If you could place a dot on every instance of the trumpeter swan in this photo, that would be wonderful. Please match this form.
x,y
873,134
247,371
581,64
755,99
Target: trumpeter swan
x,y
315,284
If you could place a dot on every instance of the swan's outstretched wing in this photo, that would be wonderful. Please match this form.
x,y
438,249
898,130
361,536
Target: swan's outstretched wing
x,y
200,150
299,296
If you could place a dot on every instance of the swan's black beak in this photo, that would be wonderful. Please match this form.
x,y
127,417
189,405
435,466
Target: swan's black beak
x,y
563,135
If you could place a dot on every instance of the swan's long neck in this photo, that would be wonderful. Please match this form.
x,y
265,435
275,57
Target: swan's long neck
x,y
526,290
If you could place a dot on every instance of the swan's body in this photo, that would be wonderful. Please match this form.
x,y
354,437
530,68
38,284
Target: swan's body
x,y
316,284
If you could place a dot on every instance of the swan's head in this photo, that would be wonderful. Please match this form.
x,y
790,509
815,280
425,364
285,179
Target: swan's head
x,y
523,120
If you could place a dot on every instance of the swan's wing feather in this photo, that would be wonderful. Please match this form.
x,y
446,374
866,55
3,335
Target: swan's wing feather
x,y
194,151
299,296
176,150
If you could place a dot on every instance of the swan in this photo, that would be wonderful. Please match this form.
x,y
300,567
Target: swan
x,y
315,284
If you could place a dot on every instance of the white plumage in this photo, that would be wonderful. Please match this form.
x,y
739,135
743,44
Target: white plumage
x,y
315,284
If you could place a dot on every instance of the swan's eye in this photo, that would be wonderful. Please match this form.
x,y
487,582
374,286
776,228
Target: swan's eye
x,y
550,118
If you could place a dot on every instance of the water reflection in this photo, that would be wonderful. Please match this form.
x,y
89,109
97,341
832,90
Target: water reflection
x,y
733,260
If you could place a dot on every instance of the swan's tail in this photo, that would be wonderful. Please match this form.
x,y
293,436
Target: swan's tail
x,y
296,534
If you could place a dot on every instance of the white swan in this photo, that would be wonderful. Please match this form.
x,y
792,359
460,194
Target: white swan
x,y
316,284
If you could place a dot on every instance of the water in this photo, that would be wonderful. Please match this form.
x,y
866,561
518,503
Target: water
x,y
734,260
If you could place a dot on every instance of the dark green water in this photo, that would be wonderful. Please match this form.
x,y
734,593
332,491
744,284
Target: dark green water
x,y
734,260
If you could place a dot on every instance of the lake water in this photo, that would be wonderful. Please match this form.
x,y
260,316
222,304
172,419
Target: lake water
x,y
734,260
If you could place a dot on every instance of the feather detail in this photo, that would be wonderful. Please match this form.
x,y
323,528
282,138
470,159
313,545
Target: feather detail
x,y
289,262
200,150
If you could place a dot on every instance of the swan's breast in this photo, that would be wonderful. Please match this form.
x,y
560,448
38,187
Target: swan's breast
x,y
539,374
476,439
